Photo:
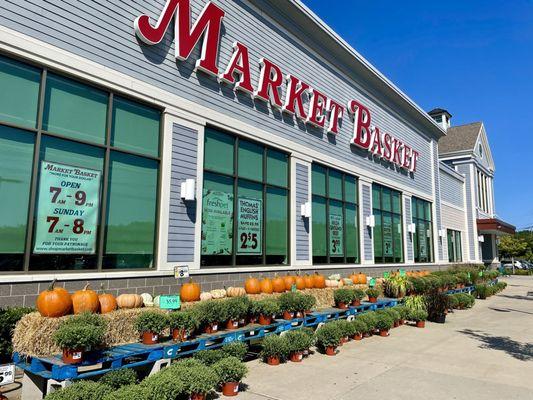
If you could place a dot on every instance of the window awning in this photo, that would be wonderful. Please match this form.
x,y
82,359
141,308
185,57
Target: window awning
x,y
494,226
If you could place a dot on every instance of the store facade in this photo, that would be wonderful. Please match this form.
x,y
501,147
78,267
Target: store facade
x,y
226,137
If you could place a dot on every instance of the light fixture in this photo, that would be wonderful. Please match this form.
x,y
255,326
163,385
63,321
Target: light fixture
x,y
411,228
442,233
371,221
305,209
481,238
187,190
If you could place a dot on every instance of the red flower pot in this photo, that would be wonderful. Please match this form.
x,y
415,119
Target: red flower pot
x,y
384,332
252,319
373,299
150,338
331,350
232,324
420,324
211,328
72,356
356,303
230,388
342,305
179,335
273,360
197,396
402,321
299,314
287,315
357,336
396,324
265,319
344,340
367,334
296,356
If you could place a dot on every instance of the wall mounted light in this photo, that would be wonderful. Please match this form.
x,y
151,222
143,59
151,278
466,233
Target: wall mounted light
x,y
187,190
411,228
442,233
481,238
305,209
371,221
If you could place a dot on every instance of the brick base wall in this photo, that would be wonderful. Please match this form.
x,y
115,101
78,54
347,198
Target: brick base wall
x,y
25,294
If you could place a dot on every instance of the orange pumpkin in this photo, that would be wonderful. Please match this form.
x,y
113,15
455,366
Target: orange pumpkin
x,y
190,291
129,300
362,279
300,282
319,281
252,286
54,302
309,282
289,281
278,284
107,302
266,286
85,300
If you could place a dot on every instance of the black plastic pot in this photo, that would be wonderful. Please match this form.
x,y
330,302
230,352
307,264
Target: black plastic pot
x,y
440,319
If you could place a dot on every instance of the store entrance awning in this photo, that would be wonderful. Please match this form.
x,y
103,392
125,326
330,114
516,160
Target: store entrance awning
x,y
494,226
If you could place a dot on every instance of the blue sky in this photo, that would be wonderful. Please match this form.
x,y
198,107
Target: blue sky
x,y
474,58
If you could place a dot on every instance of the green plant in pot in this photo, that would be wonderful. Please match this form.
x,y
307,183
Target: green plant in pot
x,y
403,312
310,333
373,294
289,304
345,329
358,295
235,309
309,302
150,324
415,303
383,323
437,304
266,309
199,380
419,316
343,298
395,286
369,319
394,315
482,291
274,350
298,343
182,324
230,372
211,313
328,338
76,338
358,328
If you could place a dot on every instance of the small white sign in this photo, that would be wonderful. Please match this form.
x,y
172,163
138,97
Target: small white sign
x,y
181,271
7,374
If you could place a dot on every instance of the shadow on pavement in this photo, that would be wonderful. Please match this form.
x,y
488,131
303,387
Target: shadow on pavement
x,y
510,310
516,297
518,350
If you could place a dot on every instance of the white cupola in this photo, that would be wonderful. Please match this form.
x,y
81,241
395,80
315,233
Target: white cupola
x,y
441,117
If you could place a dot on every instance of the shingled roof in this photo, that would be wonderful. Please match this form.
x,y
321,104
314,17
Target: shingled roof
x,y
460,138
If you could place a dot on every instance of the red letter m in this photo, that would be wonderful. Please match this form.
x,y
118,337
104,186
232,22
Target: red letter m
x,y
208,24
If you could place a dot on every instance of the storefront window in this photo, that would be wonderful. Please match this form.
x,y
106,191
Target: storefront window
x,y
86,198
334,219
387,232
245,215
423,236
455,252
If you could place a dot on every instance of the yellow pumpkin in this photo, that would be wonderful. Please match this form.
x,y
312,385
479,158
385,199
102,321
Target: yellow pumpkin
x,y
235,291
129,301
218,293
206,296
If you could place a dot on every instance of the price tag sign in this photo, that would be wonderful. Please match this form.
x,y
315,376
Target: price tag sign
x,y
402,272
480,273
181,271
372,282
7,374
293,287
170,302
469,275
386,275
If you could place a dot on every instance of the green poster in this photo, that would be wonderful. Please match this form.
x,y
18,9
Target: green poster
x,y
386,275
217,223
422,238
336,235
67,210
249,225
402,272
387,236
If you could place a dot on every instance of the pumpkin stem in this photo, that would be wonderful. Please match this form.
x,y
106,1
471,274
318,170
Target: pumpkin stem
x,y
86,286
51,287
102,288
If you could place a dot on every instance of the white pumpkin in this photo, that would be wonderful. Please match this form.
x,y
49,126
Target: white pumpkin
x,y
218,293
332,283
347,282
147,298
206,296
156,301
335,277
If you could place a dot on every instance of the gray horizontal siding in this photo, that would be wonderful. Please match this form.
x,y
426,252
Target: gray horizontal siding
x,y
182,215
302,224
438,218
367,211
408,220
451,189
101,31
472,239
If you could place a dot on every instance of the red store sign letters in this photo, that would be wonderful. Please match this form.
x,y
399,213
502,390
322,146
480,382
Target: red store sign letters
x,y
305,102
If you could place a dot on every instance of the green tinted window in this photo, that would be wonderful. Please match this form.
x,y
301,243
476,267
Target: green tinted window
x,y
218,152
277,168
71,153
397,234
388,232
352,240
318,180
378,237
16,158
131,215
250,160
19,93
335,184
319,226
350,188
135,127
276,223
396,202
376,197
218,183
75,110
386,204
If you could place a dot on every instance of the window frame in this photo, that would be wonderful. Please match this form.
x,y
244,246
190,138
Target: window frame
x,y
392,214
265,185
456,237
38,132
415,201
327,199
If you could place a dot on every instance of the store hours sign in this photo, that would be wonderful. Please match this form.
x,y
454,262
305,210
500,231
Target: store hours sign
x,y
67,210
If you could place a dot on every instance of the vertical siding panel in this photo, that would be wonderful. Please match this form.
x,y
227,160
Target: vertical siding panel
x,y
472,239
408,220
438,220
367,211
302,224
182,215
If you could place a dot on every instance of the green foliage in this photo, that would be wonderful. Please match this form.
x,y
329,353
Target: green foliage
x,y
415,303
453,301
236,349
358,294
513,246
359,326
402,310
482,291
274,346
462,300
266,307
293,301
165,384
87,318
373,292
118,378
8,319
209,357
79,335
437,304
345,327
230,369
345,296
308,302
395,286
129,393
393,314
198,378
418,315
235,308
418,284
187,320
299,340
151,321
210,311
83,390
369,319
384,321
329,335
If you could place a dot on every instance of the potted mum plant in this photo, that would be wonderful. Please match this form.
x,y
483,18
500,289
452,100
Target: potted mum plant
x,y
150,324
211,313
437,306
328,338
182,324
373,295
369,319
308,302
288,303
267,309
230,371
343,297
298,342
394,315
198,380
76,337
345,330
235,310
419,316
403,311
358,295
274,349
358,328
383,323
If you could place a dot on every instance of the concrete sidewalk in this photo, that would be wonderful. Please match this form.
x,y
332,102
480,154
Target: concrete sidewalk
x,y
482,353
